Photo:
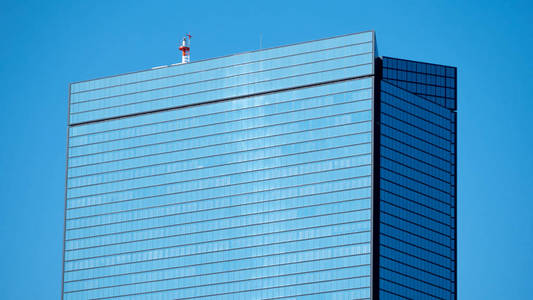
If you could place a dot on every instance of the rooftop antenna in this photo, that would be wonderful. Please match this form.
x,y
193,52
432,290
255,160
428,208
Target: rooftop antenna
x,y
185,48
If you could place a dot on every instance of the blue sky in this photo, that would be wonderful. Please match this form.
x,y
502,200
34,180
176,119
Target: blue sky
x,y
47,44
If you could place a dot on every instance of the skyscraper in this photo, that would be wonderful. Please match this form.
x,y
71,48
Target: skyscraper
x,y
313,171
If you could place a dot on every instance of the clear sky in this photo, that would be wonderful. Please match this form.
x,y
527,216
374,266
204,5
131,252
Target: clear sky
x,y
47,44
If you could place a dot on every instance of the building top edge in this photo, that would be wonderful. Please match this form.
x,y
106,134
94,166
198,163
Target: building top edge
x,y
225,56
419,61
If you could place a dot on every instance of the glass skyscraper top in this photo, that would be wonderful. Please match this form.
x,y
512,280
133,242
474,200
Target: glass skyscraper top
x,y
310,171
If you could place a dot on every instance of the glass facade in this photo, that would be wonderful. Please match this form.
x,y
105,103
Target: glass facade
x,y
241,177
417,180
308,171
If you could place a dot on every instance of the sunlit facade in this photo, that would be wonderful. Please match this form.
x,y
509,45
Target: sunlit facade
x,y
275,174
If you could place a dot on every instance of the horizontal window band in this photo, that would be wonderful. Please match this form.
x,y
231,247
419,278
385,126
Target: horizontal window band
x,y
225,122
224,228
219,165
437,211
447,212
444,289
199,71
414,233
71,124
231,142
360,145
262,116
194,190
217,251
421,173
444,234
417,279
363,135
387,293
389,77
406,287
412,244
239,270
422,183
218,197
225,282
235,152
219,261
416,257
395,139
402,257
416,138
229,174
425,110
396,107
215,273
422,197
387,59
229,153
406,121
419,82
415,158
407,240
232,238
439,111
415,127
239,194
414,267
416,213
430,97
325,292
227,87
424,173
393,147
204,210
212,209
226,111
411,62
222,78
242,291
220,175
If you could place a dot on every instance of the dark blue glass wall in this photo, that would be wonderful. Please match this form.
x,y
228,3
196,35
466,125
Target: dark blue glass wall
x,y
417,186
433,82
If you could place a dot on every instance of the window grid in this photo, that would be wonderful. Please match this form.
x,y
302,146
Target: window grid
x,y
417,170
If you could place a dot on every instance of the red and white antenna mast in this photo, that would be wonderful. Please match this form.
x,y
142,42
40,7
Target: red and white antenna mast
x,y
185,48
